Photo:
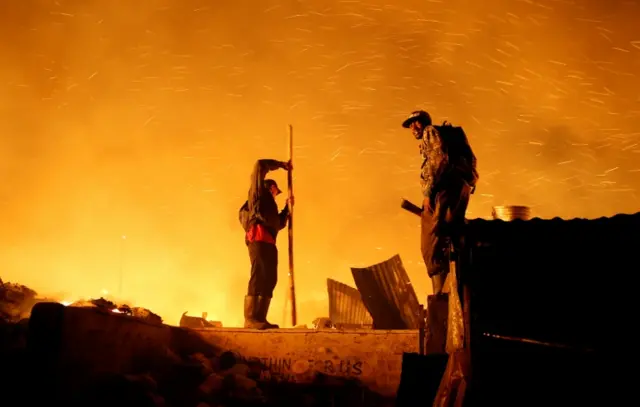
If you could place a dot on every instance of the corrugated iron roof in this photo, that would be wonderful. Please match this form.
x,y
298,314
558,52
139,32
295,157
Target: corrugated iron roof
x,y
552,280
388,294
346,306
484,230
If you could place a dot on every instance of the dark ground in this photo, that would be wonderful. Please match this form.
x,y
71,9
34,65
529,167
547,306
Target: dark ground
x,y
192,381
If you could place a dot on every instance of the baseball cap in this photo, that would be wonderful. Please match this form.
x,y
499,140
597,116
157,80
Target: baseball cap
x,y
415,116
268,183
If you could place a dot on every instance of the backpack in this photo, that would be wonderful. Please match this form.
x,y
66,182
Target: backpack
x,y
459,151
243,216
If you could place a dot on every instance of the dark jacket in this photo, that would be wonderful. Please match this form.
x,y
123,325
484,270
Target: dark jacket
x,y
261,208
434,160
447,158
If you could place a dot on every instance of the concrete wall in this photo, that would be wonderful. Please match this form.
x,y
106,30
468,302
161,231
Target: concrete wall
x,y
372,357
78,342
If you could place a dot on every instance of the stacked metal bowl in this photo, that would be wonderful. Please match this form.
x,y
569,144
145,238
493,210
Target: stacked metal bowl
x,y
509,213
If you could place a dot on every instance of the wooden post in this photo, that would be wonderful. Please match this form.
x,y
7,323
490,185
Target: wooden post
x,y
292,286
421,332
468,326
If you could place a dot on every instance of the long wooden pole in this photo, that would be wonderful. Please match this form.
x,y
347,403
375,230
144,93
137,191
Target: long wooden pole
x,y
292,285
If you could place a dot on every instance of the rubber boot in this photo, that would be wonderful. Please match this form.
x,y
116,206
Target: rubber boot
x,y
252,312
263,310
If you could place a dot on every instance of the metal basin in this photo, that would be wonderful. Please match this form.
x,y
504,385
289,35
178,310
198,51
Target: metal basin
x,y
511,212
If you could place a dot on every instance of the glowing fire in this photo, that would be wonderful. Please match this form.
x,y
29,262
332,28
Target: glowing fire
x,y
104,293
122,305
67,303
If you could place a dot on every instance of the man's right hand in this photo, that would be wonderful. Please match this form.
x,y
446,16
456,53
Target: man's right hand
x,y
287,165
409,206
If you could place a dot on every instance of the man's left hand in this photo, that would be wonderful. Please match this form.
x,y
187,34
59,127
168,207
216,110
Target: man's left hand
x,y
290,201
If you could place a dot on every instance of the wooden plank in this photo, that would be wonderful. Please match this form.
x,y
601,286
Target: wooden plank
x,y
436,330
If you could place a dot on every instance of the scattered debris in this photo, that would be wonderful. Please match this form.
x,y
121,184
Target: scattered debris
x,y
98,303
174,379
198,322
225,380
16,301
109,306
322,323
146,315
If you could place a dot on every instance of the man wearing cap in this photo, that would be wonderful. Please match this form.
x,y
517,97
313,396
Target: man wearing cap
x,y
262,221
448,177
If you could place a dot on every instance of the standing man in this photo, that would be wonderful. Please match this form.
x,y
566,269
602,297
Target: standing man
x,y
262,221
448,177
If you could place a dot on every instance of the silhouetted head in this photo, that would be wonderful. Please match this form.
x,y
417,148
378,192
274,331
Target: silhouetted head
x,y
272,186
417,122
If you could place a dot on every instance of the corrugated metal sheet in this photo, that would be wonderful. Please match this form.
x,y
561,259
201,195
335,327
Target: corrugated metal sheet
x,y
346,308
388,295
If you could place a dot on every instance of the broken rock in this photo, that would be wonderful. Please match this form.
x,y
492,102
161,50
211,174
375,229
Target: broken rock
x,y
238,369
146,315
187,321
244,383
212,384
145,381
207,366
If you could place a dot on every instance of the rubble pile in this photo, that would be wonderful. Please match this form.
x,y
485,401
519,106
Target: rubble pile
x,y
109,306
199,381
321,323
187,321
16,302
168,379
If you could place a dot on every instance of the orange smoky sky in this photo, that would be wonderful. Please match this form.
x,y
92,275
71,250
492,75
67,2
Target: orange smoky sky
x,y
143,119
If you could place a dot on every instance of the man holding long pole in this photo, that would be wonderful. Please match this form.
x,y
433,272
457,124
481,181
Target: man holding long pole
x,y
262,221
292,286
